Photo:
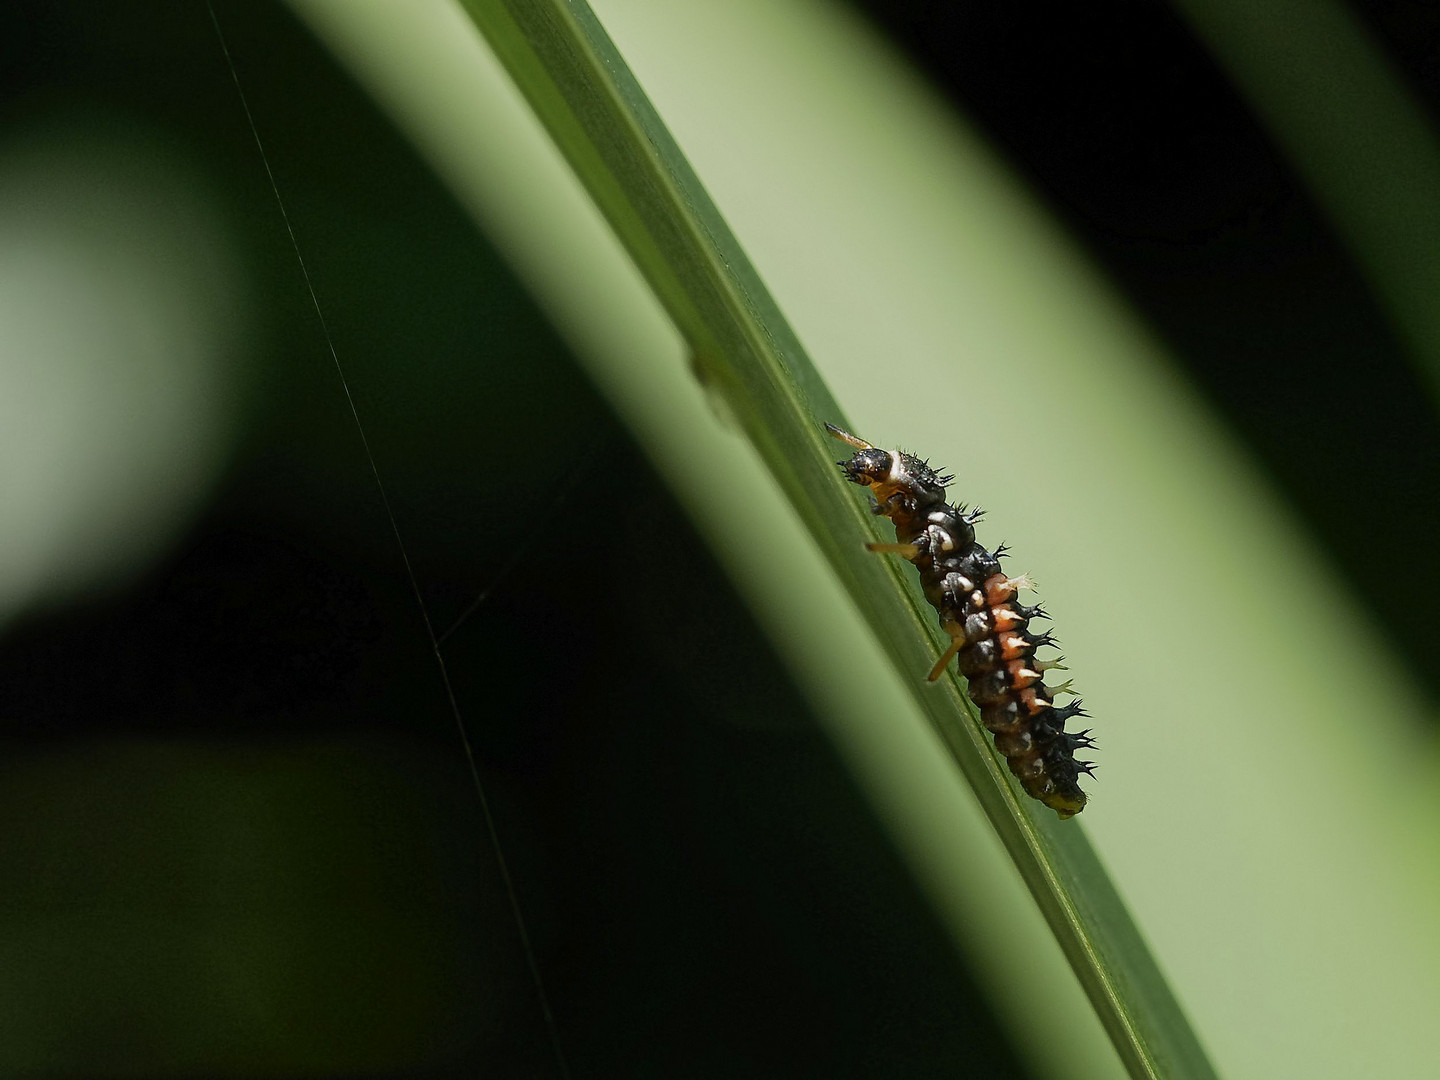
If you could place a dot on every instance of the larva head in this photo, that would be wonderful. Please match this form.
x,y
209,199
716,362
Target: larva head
x,y
888,472
870,465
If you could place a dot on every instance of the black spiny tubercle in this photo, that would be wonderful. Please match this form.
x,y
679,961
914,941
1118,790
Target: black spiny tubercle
x,y
989,628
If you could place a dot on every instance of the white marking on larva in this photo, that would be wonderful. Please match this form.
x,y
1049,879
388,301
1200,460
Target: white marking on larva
x,y
897,467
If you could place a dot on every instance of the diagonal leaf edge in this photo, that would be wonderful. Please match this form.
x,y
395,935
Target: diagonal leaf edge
x,y
578,85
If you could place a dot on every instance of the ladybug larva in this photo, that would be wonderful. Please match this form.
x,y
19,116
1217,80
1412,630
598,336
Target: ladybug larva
x,y
989,628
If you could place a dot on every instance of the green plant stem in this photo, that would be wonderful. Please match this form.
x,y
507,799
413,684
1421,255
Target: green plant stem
x,y
744,351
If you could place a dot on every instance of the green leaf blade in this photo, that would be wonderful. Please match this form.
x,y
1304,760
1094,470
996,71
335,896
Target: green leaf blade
x,y
582,91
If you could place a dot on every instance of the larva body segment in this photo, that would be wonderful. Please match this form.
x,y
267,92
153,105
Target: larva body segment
x,y
978,607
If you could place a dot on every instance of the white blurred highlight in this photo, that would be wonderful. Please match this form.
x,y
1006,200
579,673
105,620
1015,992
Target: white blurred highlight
x,y
115,312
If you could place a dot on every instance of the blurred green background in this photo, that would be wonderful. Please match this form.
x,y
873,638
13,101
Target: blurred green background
x,y
239,831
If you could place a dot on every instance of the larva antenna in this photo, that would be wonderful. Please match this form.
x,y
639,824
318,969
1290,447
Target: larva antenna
x,y
847,438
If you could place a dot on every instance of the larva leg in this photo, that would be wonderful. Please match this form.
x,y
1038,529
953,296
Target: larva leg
x,y
958,633
905,551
